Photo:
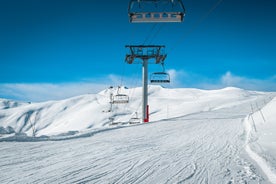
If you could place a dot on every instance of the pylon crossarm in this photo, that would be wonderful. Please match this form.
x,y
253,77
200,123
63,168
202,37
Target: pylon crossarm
x,y
143,52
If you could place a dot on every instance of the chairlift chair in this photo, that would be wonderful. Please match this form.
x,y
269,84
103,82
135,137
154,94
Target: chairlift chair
x,y
160,77
135,120
120,99
156,11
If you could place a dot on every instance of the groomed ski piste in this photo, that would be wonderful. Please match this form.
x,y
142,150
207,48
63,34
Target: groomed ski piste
x,y
194,136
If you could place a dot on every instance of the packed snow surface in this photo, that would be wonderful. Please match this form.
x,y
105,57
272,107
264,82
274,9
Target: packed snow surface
x,y
194,136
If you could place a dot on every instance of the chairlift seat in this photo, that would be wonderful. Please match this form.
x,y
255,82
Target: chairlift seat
x,y
114,123
134,120
160,81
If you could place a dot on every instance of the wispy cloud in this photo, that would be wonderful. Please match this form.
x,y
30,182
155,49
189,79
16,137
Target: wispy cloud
x,y
179,78
36,92
47,91
229,79
176,77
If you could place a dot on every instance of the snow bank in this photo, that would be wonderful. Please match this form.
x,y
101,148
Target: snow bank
x,y
261,137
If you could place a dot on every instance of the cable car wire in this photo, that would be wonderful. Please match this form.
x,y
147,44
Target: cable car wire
x,y
149,34
156,33
195,26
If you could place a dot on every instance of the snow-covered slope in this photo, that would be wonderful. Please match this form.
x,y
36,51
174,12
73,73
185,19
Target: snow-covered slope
x,y
91,111
196,136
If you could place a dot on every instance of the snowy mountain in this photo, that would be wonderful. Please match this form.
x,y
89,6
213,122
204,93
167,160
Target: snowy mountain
x,y
195,136
91,111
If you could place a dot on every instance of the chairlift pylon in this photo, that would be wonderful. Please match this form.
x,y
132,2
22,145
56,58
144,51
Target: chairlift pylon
x,y
156,11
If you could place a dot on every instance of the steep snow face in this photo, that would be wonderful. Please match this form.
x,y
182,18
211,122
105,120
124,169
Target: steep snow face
x,y
265,121
93,111
266,126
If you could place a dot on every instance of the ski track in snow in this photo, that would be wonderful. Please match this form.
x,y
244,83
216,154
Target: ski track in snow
x,y
202,147
192,151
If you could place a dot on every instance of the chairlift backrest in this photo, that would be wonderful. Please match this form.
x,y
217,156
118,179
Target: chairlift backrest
x,y
160,77
120,99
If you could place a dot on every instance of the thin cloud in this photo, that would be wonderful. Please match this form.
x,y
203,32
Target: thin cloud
x,y
37,92
228,79
231,80
182,78
45,91
179,78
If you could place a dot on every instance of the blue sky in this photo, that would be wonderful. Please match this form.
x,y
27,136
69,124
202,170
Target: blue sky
x,y
53,49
